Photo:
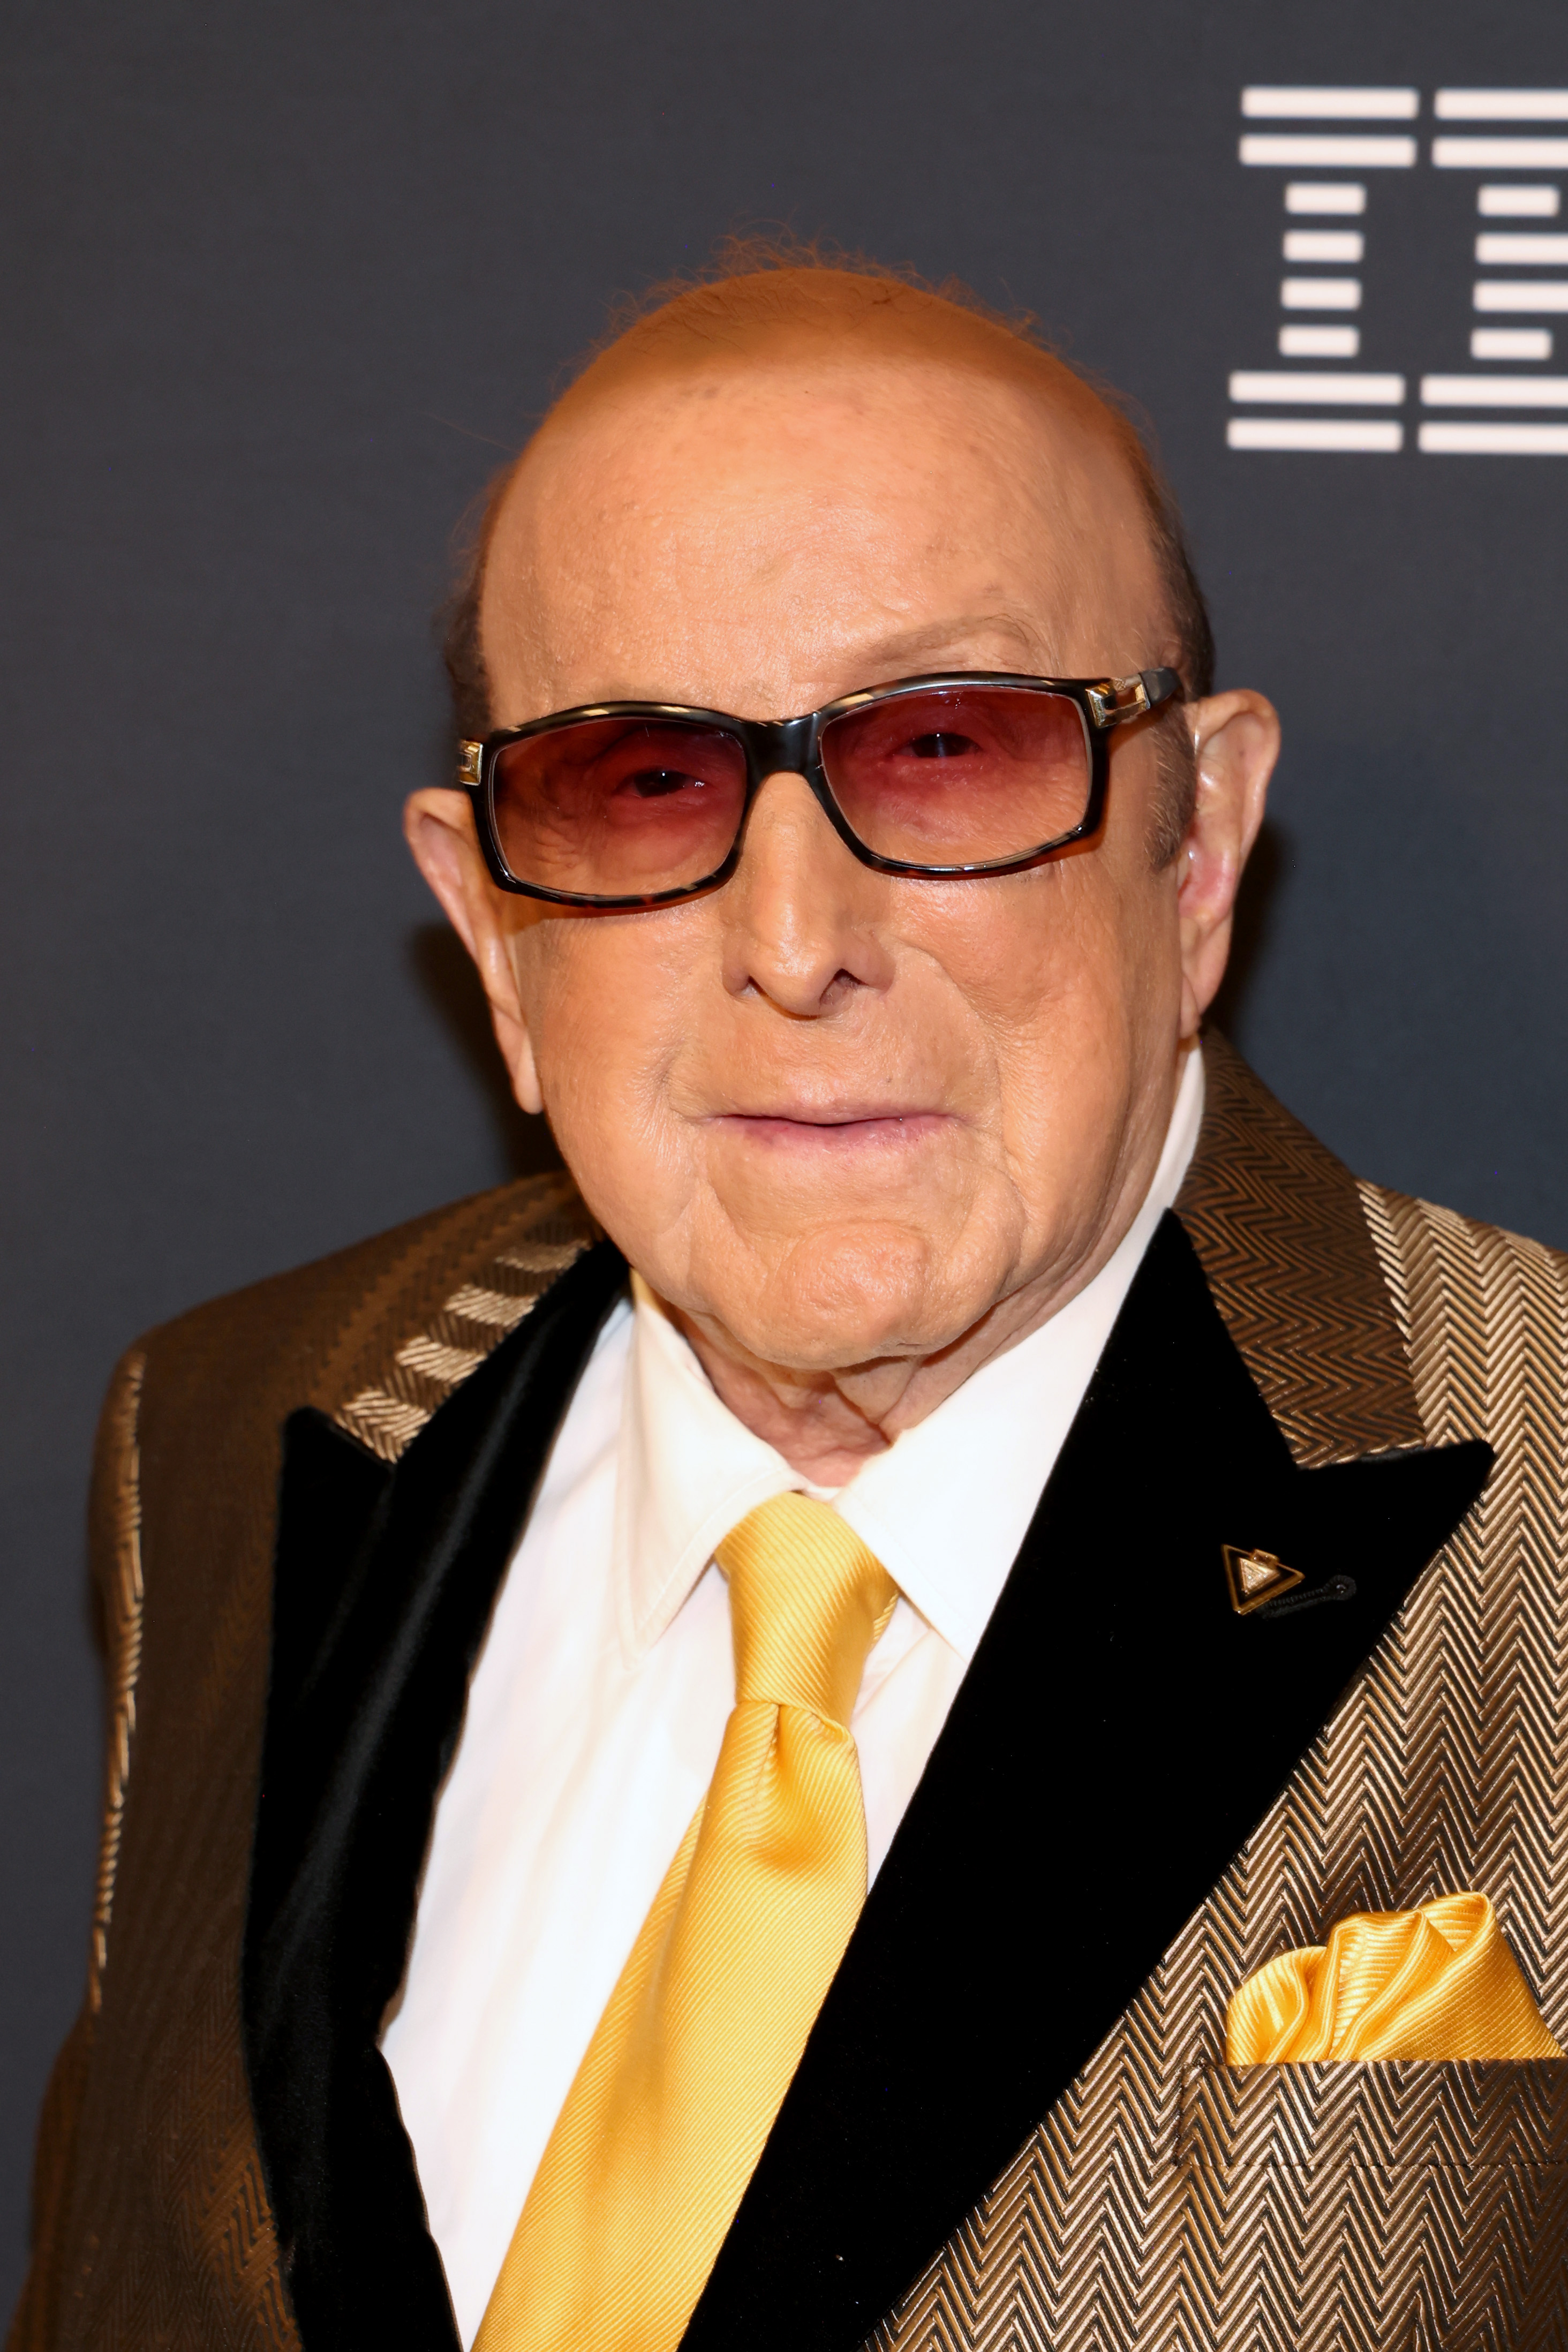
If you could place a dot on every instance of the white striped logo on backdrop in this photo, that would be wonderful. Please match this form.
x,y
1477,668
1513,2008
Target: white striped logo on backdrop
x,y
1328,151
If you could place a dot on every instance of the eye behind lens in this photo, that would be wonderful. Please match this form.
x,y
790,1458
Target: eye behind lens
x,y
959,776
622,807
941,746
653,783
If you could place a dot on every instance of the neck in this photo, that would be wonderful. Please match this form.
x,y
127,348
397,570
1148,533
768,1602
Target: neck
x,y
826,1423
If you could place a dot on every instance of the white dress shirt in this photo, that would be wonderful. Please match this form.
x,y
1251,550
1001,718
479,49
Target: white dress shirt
x,y
597,1706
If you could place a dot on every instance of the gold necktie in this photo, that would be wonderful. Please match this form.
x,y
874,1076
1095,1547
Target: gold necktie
x,y
1438,1982
689,2063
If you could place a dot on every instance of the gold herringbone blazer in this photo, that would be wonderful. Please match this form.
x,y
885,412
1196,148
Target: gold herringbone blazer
x,y
1161,2201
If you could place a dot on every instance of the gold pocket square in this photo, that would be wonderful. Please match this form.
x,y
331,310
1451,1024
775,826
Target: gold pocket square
x,y
1437,1982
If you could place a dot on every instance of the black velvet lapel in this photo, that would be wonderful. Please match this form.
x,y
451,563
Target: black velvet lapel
x,y
1119,1733
383,1585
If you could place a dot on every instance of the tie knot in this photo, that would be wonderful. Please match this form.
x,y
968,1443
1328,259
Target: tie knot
x,y
807,1598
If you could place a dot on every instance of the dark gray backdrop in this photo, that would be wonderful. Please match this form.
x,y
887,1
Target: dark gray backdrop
x,y
284,282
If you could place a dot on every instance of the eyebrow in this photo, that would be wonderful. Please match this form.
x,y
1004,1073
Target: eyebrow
x,y
906,648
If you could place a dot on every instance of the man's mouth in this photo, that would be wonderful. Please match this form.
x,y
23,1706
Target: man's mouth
x,y
842,1127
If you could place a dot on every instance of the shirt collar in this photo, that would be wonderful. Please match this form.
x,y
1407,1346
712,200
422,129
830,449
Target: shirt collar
x,y
945,1508
688,1470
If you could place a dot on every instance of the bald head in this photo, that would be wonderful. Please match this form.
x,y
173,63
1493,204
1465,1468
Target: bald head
x,y
816,342
744,319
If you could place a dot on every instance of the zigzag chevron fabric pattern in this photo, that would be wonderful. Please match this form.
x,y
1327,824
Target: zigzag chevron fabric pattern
x,y
123,1594
1167,2202
1274,1219
1394,2112
389,1412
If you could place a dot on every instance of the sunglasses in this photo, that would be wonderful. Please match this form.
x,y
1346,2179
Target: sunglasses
x,y
624,804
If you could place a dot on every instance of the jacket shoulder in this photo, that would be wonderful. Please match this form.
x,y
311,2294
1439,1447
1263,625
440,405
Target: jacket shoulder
x,y
1282,1234
1369,1321
407,1312
1484,1313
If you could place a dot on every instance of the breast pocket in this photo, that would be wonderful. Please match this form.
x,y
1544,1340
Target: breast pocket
x,y
1396,2204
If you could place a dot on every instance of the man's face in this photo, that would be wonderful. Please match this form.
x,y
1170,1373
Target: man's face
x,y
835,1115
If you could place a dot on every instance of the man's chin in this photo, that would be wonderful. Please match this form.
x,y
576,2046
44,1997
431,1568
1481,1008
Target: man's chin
x,y
851,1293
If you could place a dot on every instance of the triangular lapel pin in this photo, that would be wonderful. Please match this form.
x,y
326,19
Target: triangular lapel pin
x,y
1255,1577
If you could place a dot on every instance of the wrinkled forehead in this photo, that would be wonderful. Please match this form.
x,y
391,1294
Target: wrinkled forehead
x,y
808,477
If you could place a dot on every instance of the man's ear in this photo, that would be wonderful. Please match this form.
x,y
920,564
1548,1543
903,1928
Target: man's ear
x,y
438,826
1236,742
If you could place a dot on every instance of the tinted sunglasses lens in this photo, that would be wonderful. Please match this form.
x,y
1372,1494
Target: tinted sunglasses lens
x,y
960,775
618,808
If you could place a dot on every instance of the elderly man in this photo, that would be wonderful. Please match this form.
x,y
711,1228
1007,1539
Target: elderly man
x,y
953,1436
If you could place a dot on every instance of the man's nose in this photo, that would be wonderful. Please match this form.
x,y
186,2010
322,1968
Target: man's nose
x,y
801,909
